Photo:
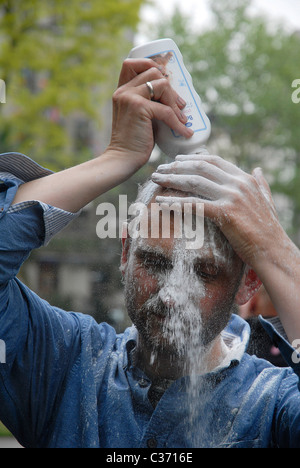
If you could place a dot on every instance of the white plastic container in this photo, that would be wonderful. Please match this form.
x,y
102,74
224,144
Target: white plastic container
x,y
165,51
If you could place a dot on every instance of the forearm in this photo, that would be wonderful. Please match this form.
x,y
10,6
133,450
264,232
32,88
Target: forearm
x,y
74,188
131,142
279,270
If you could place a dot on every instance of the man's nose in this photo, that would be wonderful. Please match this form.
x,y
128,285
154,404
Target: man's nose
x,y
175,289
173,296
167,298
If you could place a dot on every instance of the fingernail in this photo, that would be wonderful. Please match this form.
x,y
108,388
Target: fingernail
x,y
183,117
181,102
162,168
189,132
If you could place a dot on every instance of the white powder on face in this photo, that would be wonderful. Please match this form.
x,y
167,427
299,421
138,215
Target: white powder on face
x,y
182,291
177,297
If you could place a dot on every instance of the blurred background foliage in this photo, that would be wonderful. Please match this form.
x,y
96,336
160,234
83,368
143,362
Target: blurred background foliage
x,y
59,58
61,61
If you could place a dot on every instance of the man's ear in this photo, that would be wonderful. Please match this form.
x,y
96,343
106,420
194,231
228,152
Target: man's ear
x,y
249,286
125,247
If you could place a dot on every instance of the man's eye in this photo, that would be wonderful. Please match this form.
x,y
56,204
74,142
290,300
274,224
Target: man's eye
x,y
206,272
150,263
156,263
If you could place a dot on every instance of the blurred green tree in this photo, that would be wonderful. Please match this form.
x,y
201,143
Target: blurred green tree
x,y
59,58
243,68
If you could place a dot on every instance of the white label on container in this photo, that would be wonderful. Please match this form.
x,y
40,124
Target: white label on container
x,y
177,76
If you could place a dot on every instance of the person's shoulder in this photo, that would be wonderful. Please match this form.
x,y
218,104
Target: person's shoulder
x,y
259,367
103,331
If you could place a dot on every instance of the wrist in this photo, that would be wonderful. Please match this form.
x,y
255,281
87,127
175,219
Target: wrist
x,y
280,274
133,155
116,166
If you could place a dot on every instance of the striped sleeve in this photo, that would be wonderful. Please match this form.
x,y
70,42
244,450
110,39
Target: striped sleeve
x,y
16,169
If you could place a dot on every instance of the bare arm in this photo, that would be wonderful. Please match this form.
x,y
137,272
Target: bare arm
x,y
131,143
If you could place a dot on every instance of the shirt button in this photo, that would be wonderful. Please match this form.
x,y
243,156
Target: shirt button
x,y
143,383
152,443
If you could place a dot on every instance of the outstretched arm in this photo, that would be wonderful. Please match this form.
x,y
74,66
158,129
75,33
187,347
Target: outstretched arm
x,y
131,142
241,206
42,342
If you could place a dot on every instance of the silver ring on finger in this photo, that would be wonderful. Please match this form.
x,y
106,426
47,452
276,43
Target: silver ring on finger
x,y
150,89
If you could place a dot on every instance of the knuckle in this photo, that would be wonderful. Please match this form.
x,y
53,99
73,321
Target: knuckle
x,y
214,159
172,178
127,63
162,86
119,95
169,113
176,166
123,97
244,183
116,95
194,184
165,83
156,73
234,197
198,166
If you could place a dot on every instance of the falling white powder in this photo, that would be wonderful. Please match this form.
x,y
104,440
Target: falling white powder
x,y
180,328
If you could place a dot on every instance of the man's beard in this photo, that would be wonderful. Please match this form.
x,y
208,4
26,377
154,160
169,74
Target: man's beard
x,y
175,330
165,328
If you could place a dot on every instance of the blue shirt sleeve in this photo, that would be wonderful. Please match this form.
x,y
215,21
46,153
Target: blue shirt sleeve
x,y
24,226
41,341
280,340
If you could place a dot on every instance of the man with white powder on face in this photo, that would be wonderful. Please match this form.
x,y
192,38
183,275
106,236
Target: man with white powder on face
x,y
180,377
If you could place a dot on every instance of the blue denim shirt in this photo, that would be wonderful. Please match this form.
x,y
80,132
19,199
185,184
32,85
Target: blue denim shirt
x,y
69,381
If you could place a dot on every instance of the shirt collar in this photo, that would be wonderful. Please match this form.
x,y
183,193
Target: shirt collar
x,y
235,338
